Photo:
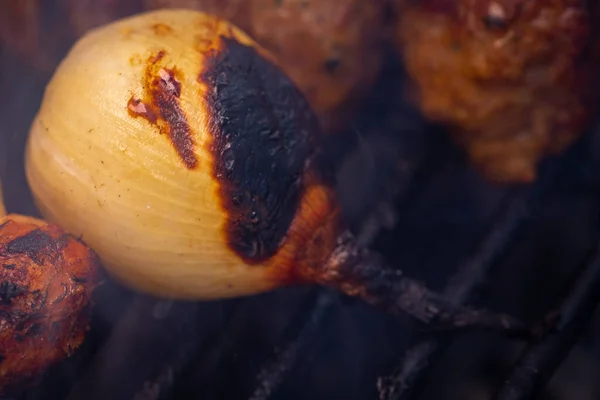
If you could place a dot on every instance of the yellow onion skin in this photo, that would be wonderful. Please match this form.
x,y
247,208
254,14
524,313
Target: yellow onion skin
x,y
172,143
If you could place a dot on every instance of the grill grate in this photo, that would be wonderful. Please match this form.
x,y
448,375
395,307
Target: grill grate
x,y
421,354
539,362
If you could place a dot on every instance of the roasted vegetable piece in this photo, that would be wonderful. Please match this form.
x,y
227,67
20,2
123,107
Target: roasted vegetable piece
x,y
514,79
331,49
46,281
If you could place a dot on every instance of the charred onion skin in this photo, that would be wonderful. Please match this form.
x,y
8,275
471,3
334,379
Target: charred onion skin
x,y
46,281
514,79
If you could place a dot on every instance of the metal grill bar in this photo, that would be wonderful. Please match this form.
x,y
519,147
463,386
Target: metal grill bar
x,y
539,362
414,365
139,333
299,334
421,354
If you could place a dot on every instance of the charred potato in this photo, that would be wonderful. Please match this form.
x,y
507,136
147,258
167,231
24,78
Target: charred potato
x,y
46,281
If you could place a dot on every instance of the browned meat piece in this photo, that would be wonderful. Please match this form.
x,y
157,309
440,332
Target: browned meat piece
x,y
46,281
514,79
